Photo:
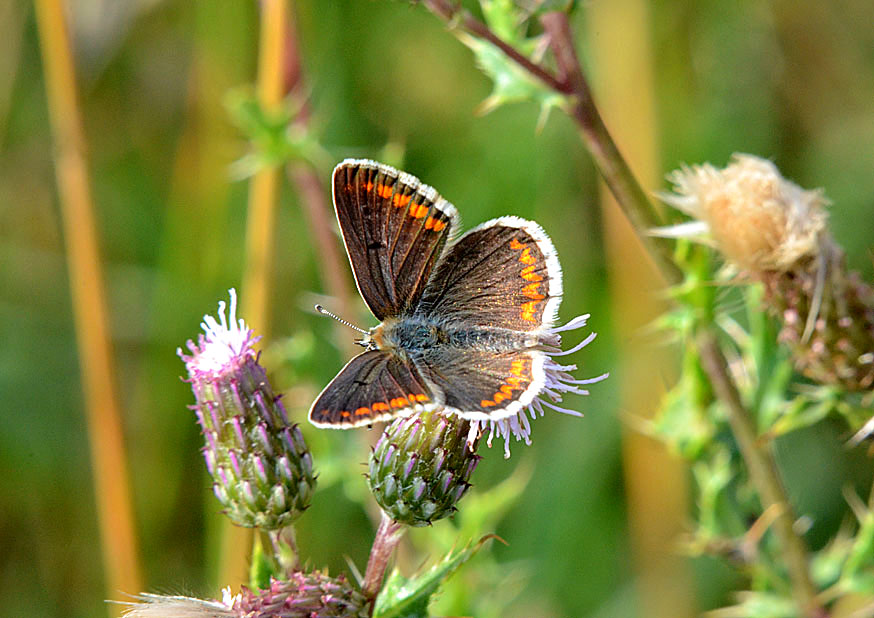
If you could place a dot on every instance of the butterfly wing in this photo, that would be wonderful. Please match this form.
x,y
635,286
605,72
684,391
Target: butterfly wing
x,y
483,384
503,277
503,273
394,228
374,386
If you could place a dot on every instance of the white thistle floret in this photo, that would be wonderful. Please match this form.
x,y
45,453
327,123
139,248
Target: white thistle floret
x,y
558,381
224,341
162,606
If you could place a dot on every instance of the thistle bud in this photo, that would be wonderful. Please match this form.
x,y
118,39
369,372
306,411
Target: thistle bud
x,y
302,595
261,468
775,232
420,467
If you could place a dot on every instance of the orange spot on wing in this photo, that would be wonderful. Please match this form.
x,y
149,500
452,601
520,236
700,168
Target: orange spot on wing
x,y
418,210
433,223
515,244
530,291
384,191
344,414
369,186
529,275
526,258
380,406
516,381
399,402
400,200
528,310
362,411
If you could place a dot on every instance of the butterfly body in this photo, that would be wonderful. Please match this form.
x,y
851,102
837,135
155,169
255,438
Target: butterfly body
x,y
465,323
416,336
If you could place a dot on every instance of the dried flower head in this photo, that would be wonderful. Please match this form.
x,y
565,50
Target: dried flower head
x,y
757,218
302,595
776,232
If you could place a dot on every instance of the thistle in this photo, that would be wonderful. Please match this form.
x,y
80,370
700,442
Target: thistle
x,y
302,595
261,468
421,466
775,232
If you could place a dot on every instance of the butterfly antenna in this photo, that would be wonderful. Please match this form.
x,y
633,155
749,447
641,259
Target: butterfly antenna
x,y
324,311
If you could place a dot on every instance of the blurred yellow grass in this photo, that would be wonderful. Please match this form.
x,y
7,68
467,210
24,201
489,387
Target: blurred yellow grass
x,y
120,547
617,34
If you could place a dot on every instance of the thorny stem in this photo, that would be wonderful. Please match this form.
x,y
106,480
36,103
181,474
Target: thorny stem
x,y
759,459
615,171
763,473
388,535
459,17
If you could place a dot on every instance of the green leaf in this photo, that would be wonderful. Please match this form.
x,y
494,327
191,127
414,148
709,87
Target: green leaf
x,y
275,138
403,597
760,605
511,83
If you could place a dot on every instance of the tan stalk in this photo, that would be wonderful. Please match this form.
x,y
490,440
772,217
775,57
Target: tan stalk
x,y
102,404
656,482
260,240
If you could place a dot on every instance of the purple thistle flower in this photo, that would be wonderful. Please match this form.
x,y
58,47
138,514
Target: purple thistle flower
x,y
261,468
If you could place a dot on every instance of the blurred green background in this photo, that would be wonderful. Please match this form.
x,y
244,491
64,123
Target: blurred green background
x,y
792,81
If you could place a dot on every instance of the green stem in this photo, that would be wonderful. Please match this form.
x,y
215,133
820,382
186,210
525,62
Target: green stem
x,y
762,466
758,456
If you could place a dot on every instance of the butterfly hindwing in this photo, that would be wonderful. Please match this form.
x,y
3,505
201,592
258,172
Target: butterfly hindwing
x,y
394,228
503,273
483,384
374,386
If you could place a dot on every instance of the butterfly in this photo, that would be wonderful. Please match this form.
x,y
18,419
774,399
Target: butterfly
x,y
465,323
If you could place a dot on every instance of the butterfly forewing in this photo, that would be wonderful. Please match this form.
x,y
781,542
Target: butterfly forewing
x,y
373,386
394,228
502,274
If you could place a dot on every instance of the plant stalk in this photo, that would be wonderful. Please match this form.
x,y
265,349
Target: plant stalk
x,y
112,490
760,462
388,535
260,243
